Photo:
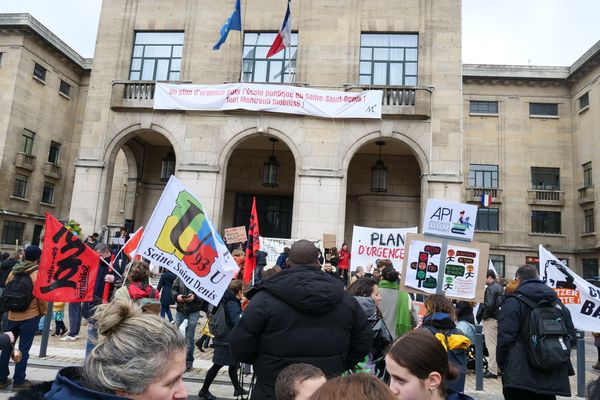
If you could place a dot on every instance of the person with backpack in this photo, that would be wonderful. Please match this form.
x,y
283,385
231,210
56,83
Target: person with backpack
x,y
535,337
137,288
227,315
189,306
490,305
24,312
5,269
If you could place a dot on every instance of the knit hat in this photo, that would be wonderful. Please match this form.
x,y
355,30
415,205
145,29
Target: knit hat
x,y
33,253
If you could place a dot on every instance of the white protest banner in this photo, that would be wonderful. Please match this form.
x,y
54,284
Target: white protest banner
x,y
273,98
237,234
579,296
449,219
372,244
433,265
181,238
274,247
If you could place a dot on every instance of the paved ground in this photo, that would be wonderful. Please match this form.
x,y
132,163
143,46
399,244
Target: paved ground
x,y
63,353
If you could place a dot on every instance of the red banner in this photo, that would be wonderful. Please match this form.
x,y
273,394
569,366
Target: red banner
x,y
68,267
253,244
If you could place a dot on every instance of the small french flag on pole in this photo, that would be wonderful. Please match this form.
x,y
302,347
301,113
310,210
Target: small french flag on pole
x,y
486,200
284,37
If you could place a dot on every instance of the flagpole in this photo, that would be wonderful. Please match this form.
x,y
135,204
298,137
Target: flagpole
x,y
111,267
242,44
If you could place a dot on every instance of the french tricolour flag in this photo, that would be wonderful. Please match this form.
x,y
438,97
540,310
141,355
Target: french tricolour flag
x,y
284,37
486,200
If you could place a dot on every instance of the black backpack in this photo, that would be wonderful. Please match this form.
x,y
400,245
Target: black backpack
x,y
218,324
18,293
545,329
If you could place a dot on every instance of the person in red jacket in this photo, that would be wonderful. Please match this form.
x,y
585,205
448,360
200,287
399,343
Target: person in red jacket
x,y
344,263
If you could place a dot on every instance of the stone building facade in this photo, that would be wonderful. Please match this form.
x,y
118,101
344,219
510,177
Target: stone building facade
x,y
448,131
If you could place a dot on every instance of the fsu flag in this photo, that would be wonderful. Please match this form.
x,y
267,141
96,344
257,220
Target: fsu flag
x,y
253,244
68,267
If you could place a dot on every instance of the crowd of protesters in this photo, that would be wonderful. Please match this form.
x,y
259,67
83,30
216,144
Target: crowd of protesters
x,y
309,327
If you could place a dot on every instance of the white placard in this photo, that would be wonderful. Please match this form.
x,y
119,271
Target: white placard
x,y
449,219
372,244
274,247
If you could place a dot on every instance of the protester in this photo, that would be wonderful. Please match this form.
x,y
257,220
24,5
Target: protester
x,y
281,260
490,312
593,390
261,263
439,320
419,369
240,259
358,273
188,307
222,355
298,382
465,320
344,263
396,305
165,286
366,292
359,386
58,315
5,268
330,271
138,289
519,379
74,310
92,240
22,277
300,315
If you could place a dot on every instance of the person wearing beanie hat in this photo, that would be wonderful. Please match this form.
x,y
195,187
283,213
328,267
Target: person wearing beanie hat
x,y
25,322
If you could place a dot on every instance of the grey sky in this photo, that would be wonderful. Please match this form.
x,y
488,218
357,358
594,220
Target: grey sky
x,y
536,32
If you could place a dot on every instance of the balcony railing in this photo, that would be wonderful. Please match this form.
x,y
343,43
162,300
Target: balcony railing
x,y
52,170
546,197
474,194
25,161
132,94
586,194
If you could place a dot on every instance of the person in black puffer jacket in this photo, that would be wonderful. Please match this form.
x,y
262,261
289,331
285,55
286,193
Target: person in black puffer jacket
x,y
300,315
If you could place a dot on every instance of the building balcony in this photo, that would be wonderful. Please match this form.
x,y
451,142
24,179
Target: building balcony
x,y
132,95
25,161
586,195
52,170
546,197
474,194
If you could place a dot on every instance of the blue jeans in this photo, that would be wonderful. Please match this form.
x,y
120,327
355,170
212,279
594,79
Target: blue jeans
x,y
26,330
74,318
92,332
190,333
166,309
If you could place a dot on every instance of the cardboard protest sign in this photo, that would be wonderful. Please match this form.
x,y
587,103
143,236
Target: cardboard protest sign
x,y
237,234
456,269
274,246
450,220
181,238
372,244
329,240
579,296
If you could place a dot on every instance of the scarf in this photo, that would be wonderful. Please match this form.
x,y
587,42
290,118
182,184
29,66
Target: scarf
x,y
403,320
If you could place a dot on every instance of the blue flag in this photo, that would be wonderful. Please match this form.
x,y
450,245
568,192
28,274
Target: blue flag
x,y
233,23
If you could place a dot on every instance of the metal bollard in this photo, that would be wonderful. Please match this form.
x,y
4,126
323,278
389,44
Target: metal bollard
x,y
478,357
46,331
580,363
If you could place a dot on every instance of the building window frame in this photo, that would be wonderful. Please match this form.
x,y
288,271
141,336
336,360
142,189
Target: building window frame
x,y
584,102
589,268
588,220
543,110
488,219
156,56
257,68
391,56
13,231
65,89
587,174
54,152
39,72
48,193
546,222
540,176
484,176
481,107
20,186
27,141
499,261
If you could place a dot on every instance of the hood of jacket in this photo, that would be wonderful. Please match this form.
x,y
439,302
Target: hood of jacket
x,y
439,320
67,386
24,266
368,306
306,289
536,290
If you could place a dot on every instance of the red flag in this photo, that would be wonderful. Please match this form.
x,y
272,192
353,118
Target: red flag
x,y
68,267
253,244
132,244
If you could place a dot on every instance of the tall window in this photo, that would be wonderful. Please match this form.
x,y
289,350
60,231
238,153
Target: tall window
x,y
39,72
483,176
156,56
27,142
588,220
483,107
584,101
48,193
590,268
167,167
64,88
388,59
12,232
543,110
54,152
499,264
545,178
587,174
257,68
487,219
20,186
545,222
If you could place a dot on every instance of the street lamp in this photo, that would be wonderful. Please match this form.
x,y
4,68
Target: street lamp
x,y
271,168
379,173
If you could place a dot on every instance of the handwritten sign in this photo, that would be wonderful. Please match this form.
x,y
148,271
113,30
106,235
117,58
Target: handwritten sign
x,y
236,234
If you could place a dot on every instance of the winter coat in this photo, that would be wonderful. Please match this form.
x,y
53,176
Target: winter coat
x,y
87,309
344,259
67,386
281,260
381,335
186,308
300,315
165,287
490,299
37,307
511,350
233,315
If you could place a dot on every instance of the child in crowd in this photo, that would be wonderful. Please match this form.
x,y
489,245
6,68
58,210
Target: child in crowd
x,y
58,315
